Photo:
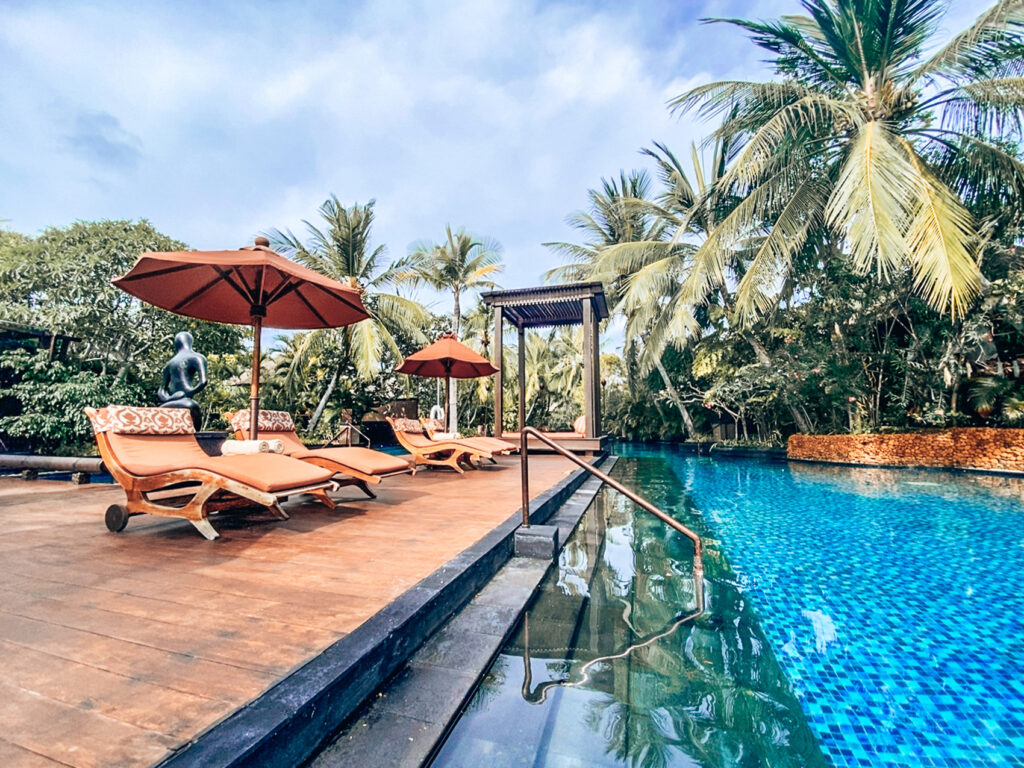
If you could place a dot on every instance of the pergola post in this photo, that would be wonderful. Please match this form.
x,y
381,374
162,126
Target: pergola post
x,y
499,377
550,306
589,409
596,381
522,376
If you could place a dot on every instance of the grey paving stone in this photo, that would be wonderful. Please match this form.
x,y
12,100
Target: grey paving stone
x,y
430,694
489,619
380,739
459,649
539,542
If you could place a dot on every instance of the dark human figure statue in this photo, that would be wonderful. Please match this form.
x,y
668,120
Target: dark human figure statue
x,y
184,376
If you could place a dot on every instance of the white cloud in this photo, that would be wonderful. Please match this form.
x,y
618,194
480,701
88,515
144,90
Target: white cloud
x,y
496,116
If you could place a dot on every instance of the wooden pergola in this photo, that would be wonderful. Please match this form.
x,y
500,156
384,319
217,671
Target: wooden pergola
x,y
544,307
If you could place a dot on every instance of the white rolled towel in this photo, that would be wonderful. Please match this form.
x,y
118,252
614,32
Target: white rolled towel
x,y
276,446
244,447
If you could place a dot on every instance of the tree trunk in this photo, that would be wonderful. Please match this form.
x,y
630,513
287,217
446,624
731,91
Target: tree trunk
x,y
673,395
453,394
802,425
319,412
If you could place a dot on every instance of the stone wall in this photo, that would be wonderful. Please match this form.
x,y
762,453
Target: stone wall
x,y
967,447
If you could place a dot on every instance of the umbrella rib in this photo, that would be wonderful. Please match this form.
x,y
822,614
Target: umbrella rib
x,y
287,286
312,309
130,278
195,295
361,310
229,279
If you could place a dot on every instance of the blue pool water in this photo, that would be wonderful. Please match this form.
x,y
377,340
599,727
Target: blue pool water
x,y
894,600
857,617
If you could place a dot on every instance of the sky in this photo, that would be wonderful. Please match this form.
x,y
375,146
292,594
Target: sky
x,y
220,121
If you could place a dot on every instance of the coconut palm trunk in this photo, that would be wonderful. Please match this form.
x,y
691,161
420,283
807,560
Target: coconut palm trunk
x,y
673,395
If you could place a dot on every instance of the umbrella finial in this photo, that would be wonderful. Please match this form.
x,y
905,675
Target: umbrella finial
x,y
263,241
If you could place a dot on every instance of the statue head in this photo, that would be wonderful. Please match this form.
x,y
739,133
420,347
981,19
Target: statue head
x,y
183,342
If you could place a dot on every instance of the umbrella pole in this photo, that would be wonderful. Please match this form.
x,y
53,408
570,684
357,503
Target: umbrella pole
x,y
447,405
254,387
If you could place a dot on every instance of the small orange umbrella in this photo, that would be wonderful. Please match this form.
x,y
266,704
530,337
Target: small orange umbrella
x,y
253,285
447,358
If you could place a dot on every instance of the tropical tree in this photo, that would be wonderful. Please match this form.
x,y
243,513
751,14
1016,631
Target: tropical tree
x,y
622,214
459,265
340,248
866,137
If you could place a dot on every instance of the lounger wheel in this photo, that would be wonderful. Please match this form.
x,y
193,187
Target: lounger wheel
x,y
116,518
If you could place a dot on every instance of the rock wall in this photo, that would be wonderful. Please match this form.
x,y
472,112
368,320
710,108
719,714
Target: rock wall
x,y
968,447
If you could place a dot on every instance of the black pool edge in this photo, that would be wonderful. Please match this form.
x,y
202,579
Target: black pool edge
x,y
286,724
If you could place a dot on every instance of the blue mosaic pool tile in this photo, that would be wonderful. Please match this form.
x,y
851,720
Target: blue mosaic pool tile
x,y
893,599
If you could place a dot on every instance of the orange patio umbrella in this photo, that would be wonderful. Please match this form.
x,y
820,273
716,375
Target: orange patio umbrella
x,y
447,358
250,286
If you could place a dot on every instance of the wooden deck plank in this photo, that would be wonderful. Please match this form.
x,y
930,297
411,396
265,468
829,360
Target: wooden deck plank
x,y
13,755
130,700
74,735
116,648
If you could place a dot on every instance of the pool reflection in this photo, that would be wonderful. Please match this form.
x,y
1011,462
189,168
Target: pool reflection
x,y
609,667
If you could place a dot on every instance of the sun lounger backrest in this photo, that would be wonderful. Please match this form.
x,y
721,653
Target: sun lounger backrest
x,y
273,425
136,420
269,421
412,432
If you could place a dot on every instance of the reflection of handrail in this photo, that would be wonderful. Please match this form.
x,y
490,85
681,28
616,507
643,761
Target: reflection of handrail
x,y
540,694
698,549
698,559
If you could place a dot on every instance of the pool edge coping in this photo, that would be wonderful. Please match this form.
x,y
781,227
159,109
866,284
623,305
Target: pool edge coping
x,y
288,722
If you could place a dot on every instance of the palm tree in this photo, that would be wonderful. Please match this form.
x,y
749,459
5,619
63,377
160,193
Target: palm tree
x,y
460,264
612,217
341,250
867,138
622,214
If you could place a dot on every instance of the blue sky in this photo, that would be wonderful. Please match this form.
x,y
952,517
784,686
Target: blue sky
x,y
216,123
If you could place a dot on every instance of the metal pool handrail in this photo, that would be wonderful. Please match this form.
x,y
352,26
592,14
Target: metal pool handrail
x,y
698,549
540,694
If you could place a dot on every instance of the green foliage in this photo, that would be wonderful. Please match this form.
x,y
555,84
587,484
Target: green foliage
x,y
60,281
42,401
791,283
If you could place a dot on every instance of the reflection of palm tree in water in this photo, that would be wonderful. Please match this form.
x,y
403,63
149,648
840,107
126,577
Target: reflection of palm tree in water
x,y
694,691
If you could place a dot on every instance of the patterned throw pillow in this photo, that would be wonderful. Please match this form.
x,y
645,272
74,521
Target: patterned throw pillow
x,y
408,425
270,421
434,425
132,420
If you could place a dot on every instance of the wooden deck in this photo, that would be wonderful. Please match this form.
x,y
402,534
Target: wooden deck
x,y
117,648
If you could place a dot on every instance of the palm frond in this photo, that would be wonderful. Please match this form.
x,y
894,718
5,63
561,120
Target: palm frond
x,y
985,107
942,240
758,289
873,201
993,35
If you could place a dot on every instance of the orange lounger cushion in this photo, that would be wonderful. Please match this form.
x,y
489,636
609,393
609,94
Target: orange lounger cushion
x,y
148,455
365,460
489,444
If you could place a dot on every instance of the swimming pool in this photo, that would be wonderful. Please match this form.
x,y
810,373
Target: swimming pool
x,y
856,617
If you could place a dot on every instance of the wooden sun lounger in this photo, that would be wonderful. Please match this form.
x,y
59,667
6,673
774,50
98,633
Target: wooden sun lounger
x,y
362,467
493,445
154,456
412,436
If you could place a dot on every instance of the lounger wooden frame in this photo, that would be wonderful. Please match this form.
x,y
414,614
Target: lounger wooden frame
x,y
507,449
440,453
353,477
204,492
